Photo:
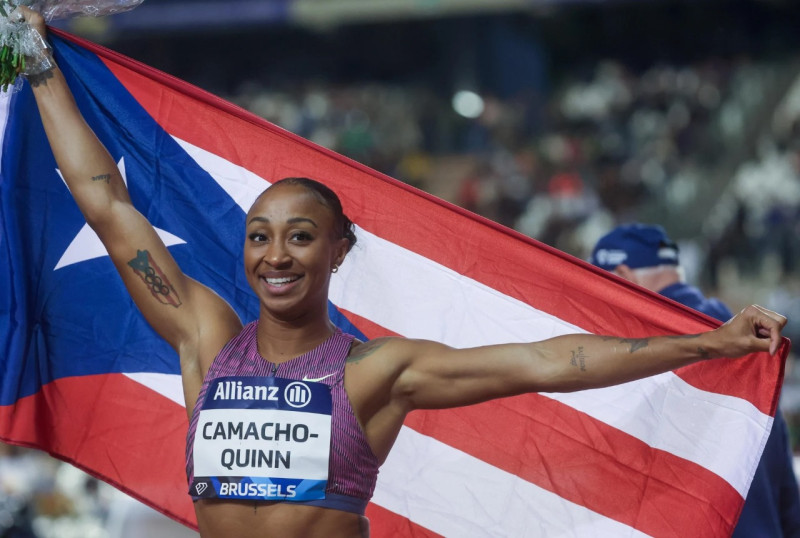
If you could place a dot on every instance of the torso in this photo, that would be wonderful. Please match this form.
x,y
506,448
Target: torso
x,y
219,517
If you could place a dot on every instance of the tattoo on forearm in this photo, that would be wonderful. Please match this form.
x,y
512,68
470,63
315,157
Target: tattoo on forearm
x,y
703,352
578,359
365,350
635,343
155,279
102,177
40,79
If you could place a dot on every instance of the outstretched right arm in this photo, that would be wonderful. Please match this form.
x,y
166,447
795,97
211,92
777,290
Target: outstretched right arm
x,y
190,317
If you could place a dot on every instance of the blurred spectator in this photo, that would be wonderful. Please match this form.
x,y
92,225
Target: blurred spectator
x,y
646,256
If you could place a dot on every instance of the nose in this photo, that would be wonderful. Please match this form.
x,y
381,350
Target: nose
x,y
277,256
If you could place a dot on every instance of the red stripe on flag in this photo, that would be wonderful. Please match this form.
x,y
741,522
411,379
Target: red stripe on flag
x,y
137,436
589,463
536,274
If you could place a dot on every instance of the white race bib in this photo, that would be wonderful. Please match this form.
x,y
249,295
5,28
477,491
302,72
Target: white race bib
x,y
263,438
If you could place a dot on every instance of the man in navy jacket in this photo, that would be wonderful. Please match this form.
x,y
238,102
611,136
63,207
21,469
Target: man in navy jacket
x,y
645,255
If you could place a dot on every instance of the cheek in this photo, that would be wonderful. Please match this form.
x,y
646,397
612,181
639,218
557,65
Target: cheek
x,y
320,260
251,256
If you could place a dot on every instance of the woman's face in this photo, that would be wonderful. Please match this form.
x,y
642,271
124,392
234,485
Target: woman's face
x,y
289,251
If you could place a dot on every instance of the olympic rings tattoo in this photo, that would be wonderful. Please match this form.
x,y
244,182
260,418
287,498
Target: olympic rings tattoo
x,y
155,279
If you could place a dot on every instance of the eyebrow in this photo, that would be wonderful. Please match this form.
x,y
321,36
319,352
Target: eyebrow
x,y
293,220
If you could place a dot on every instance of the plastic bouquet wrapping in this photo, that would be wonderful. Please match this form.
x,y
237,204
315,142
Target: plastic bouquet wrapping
x,y
22,49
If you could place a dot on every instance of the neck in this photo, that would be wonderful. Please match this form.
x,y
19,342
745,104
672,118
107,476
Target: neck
x,y
280,340
656,279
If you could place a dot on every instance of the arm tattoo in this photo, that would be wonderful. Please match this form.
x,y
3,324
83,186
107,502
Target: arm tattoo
x,y
365,350
155,279
703,352
40,78
636,343
578,359
102,177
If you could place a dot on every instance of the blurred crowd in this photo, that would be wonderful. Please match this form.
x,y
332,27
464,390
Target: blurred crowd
x,y
41,497
709,150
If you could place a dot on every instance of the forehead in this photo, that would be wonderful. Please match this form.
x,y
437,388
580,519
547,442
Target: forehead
x,y
287,201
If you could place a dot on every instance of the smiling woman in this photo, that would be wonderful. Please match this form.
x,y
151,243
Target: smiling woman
x,y
302,458
295,239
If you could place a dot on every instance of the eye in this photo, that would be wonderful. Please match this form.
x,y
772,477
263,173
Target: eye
x,y
257,237
300,237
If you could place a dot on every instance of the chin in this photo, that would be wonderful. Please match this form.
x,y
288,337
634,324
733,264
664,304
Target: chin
x,y
283,310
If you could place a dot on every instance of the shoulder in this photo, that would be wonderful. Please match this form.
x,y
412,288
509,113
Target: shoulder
x,y
717,309
692,297
362,350
389,357
389,346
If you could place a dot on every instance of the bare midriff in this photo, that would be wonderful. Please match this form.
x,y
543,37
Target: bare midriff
x,y
248,519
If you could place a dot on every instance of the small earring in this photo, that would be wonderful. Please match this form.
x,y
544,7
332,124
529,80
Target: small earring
x,y
335,268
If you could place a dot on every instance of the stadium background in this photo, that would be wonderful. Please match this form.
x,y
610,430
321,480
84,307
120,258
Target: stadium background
x,y
558,118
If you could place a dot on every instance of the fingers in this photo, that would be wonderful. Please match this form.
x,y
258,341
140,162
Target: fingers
x,y
768,324
26,14
781,320
19,14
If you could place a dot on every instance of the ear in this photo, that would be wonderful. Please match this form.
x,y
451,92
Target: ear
x,y
625,272
341,248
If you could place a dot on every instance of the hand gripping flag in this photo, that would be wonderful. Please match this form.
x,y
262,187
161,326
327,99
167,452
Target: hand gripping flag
x,y
85,378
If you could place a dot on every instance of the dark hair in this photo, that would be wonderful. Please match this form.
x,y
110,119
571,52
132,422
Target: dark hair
x,y
327,197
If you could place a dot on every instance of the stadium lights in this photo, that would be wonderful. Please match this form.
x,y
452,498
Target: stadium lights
x,y
468,104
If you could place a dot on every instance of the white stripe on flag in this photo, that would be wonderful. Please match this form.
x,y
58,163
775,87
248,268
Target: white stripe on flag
x,y
411,295
242,185
669,414
167,385
455,494
5,103
692,421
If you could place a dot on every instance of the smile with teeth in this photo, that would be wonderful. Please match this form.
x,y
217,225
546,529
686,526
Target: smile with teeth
x,y
282,281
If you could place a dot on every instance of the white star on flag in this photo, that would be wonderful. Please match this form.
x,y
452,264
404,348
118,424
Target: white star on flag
x,y
86,245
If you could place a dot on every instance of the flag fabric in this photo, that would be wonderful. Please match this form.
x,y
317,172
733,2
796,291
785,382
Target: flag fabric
x,y
86,379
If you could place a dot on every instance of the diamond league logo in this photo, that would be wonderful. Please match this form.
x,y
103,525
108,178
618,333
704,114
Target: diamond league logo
x,y
200,487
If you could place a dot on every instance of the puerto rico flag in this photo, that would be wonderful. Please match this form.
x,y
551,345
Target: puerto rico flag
x,y
86,379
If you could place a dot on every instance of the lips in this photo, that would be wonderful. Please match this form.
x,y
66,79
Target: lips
x,y
281,281
280,284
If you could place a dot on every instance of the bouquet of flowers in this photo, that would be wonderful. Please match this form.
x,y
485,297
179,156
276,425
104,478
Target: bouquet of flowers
x,y
22,49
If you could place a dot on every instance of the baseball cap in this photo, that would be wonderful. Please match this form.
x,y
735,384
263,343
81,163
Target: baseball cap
x,y
635,245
